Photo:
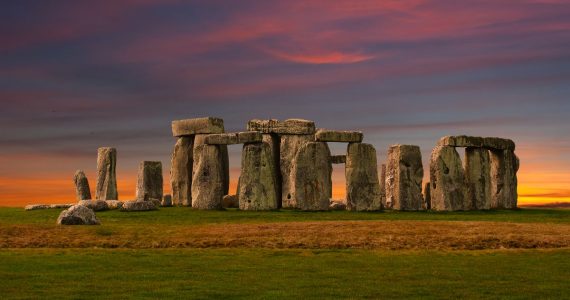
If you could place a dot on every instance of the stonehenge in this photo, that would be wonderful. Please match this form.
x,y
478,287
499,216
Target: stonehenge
x,y
257,182
106,174
310,177
181,171
404,175
362,185
82,190
149,183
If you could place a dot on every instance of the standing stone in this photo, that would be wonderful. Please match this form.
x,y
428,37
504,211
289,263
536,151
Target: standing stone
x,y
181,171
106,174
362,185
256,190
504,167
477,177
290,145
427,196
311,177
200,139
82,191
274,142
448,190
405,173
207,177
149,183
383,185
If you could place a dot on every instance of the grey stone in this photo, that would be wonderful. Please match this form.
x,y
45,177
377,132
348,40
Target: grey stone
x,y
106,174
207,177
36,206
274,142
461,141
233,138
96,205
337,205
494,143
311,177
478,178
230,201
362,185
114,204
78,215
166,201
200,139
139,205
197,126
338,159
427,196
448,190
181,171
82,191
256,190
290,145
60,206
404,175
149,183
325,135
290,126
504,168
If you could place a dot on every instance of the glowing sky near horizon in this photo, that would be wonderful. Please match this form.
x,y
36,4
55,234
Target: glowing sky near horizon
x,y
77,75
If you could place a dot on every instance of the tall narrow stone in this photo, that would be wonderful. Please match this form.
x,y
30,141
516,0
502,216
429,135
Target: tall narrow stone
x,y
477,177
311,177
362,185
181,171
383,185
149,183
404,173
82,191
258,178
290,145
274,142
427,196
106,174
200,139
448,190
207,177
504,167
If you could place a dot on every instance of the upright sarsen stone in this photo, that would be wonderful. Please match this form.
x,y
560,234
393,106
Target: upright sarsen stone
x,y
477,177
427,196
106,174
405,173
362,185
200,139
82,191
290,145
149,183
504,168
207,177
181,171
311,177
257,181
273,141
448,190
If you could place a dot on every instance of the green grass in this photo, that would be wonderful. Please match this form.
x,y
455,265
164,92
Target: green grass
x,y
283,274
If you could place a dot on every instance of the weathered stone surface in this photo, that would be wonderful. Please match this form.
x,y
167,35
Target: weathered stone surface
x,y
404,175
478,178
207,177
96,205
338,159
504,168
106,174
181,171
60,206
139,205
337,205
200,139
149,183
233,138
290,145
166,201
290,126
36,206
427,196
325,135
311,177
197,126
362,185
82,191
448,190
114,204
256,190
230,201
383,186
78,215
461,141
494,143
274,142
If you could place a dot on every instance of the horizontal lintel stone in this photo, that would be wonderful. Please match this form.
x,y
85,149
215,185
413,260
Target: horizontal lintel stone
x,y
324,135
289,126
477,142
233,138
338,159
208,125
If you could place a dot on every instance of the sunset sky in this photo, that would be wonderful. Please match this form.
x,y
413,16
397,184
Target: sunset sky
x,y
78,75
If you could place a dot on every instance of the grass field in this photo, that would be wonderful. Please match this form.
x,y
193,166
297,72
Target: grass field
x,y
182,253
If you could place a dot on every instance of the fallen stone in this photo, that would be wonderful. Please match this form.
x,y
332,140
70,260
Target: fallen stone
x,y
60,206
149,183
338,159
274,143
181,171
478,178
82,190
166,201
78,215
207,177
200,139
461,141
256,190
230,201
494,143
36,206
106,174
206,125
290,126
361,172
404,174
114,204
139,205
448,190
503,173
311,177
96,205
324,135
337,205
427,196
290,145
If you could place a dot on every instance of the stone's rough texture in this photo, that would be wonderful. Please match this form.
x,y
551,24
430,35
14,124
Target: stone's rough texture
x,y
82,190
36,206
290,145
197,126
149,183
166,201
477,176
337,205
338,159
256,190
274,142
78,215
448,190
504,168
404,175
200,139
96,205
311,177
290,126
249,137
114,204
494,143
383,185
233,138
106,174
362,185
181,171
59,206
230,201
207,177
324,135
139,205
461,141
427,196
